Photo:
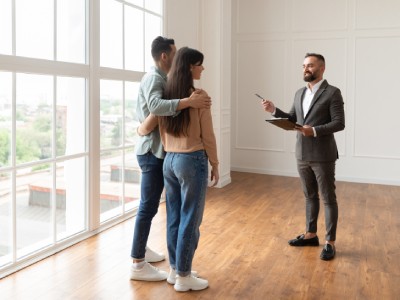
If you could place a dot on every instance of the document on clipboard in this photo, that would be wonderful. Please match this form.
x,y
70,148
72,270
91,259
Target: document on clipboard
x,y
284,123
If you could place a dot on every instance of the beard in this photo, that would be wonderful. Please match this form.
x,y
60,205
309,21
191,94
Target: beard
x,y
309,77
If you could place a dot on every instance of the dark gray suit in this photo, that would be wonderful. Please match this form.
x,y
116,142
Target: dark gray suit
x,y
316,156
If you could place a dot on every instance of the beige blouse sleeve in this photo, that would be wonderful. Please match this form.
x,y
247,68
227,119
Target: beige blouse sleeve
x,y
208,137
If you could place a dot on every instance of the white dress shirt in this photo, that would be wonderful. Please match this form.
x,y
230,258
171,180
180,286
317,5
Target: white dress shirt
x,y
308,97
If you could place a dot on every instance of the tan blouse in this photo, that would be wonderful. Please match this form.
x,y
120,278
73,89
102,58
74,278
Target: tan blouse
x,y
200,136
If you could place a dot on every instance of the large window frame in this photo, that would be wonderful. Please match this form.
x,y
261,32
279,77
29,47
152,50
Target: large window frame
x,y
93,73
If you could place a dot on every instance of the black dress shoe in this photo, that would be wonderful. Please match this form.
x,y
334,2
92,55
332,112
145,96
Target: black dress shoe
x,y
301,241
328,252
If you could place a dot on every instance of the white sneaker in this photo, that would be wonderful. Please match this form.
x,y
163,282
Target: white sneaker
x,y
148,273
172,275
190,282
152,256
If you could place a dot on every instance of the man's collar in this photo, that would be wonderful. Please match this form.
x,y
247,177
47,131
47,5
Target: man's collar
x,y
159,71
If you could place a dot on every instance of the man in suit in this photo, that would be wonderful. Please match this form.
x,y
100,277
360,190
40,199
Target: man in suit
x,y
319,108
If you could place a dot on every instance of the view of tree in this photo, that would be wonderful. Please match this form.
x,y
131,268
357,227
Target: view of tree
x,y
117,134
27,147
4,147
33,139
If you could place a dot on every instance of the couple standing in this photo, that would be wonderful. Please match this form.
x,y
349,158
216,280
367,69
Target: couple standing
x,y
186,132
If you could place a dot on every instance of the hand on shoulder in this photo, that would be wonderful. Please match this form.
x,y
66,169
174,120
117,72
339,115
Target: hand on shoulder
x,y
199,99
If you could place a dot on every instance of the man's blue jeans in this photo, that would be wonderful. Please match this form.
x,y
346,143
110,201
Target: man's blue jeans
x,y
151,187
185,177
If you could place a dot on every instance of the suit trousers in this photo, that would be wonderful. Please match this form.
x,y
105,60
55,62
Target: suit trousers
x,y
319,177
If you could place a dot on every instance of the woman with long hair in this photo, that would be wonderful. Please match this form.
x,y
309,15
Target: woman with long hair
x,y
189,142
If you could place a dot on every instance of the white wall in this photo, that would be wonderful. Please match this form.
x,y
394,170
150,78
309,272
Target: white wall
x,y
182,22
360,40
267,40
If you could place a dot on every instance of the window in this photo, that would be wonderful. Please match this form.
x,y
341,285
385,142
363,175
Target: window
x,y
43,162
57,118
123,26
34,21
120,173
5,173
71,29
5,27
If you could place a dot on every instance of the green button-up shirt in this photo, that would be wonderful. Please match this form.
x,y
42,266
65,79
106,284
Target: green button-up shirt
x,y
150,101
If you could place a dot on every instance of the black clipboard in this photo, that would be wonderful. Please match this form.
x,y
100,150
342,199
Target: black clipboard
x,y
284,123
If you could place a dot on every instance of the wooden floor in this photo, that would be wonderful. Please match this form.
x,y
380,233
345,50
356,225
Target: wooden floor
x,y
243,250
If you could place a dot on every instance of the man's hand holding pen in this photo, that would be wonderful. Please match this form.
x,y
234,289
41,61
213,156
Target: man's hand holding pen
x,y
269,106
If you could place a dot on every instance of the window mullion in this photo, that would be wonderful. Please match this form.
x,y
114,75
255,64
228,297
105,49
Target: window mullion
x,y
123,36
13,28
54,164
144,42
123,148
94,116
55,31
14,172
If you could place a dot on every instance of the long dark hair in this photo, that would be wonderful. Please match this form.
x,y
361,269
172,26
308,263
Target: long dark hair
x,y
180,85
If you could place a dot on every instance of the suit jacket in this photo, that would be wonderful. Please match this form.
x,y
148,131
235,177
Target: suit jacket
x,y
326,115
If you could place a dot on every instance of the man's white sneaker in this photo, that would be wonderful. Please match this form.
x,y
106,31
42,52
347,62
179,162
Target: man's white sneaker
x,y
190,282
152,256
172,275
148,273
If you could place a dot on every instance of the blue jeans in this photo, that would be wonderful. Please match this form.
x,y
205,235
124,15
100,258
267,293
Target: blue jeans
x,y
185,177
151,187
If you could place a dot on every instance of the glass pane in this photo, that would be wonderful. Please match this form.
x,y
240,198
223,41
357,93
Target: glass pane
x,y
111,34
5,118
5,218
70,116
131,120
71,197
71,20
136,2
132,180
110,114
34,117
35,28
111,187
154,5
5,27
153,29
133,39
34,203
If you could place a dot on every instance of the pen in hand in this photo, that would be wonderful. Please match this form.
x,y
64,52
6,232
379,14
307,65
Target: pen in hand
x,y
267,104
260,97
